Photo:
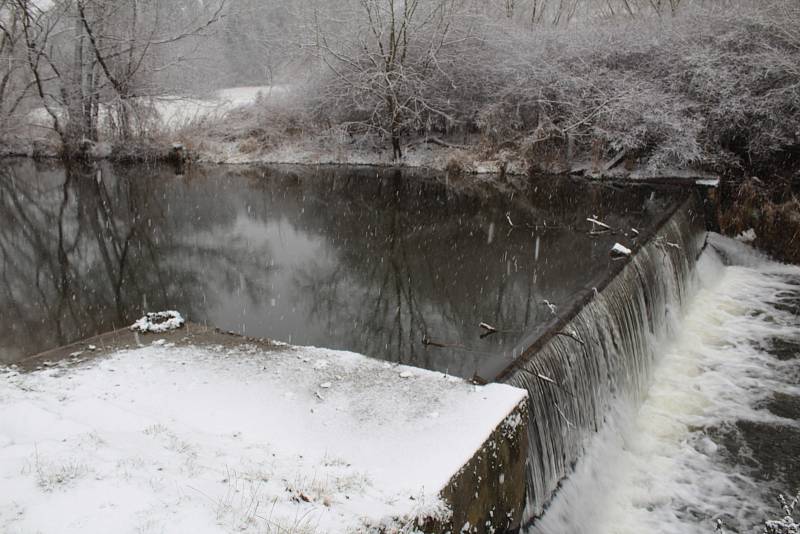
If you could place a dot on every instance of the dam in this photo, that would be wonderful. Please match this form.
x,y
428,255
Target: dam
x,y
405,267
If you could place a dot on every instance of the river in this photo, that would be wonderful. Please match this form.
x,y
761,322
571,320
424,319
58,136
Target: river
x,y
373,261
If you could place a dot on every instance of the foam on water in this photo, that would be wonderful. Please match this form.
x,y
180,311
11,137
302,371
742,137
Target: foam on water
x,y
604,356
660,467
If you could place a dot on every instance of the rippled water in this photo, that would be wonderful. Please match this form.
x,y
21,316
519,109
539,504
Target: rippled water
x,y
718,436
358,259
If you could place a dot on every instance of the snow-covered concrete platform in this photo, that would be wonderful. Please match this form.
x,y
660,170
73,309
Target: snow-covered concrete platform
x,y
202,432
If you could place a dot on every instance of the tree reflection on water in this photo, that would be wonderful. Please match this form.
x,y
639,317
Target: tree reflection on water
x,y
357,259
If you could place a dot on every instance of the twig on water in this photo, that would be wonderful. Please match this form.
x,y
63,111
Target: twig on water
x,y
550,381
490,330
569,423
571,336
428,342
601,224
598,226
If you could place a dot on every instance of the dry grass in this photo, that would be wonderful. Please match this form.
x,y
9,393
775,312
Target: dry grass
x,y
457,165
773,213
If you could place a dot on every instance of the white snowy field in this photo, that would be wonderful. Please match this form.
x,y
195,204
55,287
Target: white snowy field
x,y
175,112
215,439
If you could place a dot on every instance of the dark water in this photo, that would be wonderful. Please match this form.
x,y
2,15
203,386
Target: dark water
x,y
357,259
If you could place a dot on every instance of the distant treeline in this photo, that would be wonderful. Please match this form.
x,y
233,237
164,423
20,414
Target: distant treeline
x,y
663,83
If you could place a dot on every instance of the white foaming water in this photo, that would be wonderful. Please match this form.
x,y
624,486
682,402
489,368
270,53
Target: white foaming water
x,y
653,468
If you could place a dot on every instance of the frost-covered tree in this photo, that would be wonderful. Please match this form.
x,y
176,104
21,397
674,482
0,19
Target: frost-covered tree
x,y
14,84
385,57
88,56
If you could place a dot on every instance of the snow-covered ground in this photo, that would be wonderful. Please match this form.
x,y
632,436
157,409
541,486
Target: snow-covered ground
x,y
179,111
217,439
176,112
314,151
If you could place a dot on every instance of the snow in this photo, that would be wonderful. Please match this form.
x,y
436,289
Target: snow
x,y
314,151
748,236
621,250
218,439
158,322
243,96
177,112
708,182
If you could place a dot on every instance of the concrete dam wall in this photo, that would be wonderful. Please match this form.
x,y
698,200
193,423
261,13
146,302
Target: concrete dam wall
x,y
602,351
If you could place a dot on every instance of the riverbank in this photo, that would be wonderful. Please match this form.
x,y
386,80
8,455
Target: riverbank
x,y
266,125
263,125
456,163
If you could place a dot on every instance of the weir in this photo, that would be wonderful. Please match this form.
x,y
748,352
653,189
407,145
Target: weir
x,y
575,329
602,351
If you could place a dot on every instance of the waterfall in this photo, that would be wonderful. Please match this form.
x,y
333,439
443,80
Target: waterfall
x,y
604,353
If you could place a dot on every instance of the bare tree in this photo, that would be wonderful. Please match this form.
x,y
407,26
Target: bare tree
x,y
91,56
126,39
385,56
14,88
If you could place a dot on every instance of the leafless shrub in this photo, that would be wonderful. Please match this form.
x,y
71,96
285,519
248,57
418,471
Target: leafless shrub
x,y
774,216
708,85
457,165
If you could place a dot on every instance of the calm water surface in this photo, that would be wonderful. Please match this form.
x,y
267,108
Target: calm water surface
x,y
358,259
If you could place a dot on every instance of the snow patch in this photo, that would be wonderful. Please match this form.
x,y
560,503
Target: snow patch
x,y
708,182
620,250
158,322
748,236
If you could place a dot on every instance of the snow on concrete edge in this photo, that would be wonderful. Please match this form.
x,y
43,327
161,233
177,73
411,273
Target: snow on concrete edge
x,y
205,439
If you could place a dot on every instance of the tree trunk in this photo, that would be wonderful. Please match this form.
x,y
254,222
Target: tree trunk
x,y
397,152
79,94
74,95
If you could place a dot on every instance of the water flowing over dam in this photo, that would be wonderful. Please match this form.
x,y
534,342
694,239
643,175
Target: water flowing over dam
x,y
606,352
717,435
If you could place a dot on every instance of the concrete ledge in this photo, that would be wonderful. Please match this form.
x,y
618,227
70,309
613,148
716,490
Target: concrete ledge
x,y
230,427
488,493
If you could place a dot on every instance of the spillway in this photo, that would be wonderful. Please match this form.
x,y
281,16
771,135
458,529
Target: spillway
x,y
670,402
605,353
716,438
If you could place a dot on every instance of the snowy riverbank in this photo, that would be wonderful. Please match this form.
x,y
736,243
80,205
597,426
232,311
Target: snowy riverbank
x,y
221,439
245,125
